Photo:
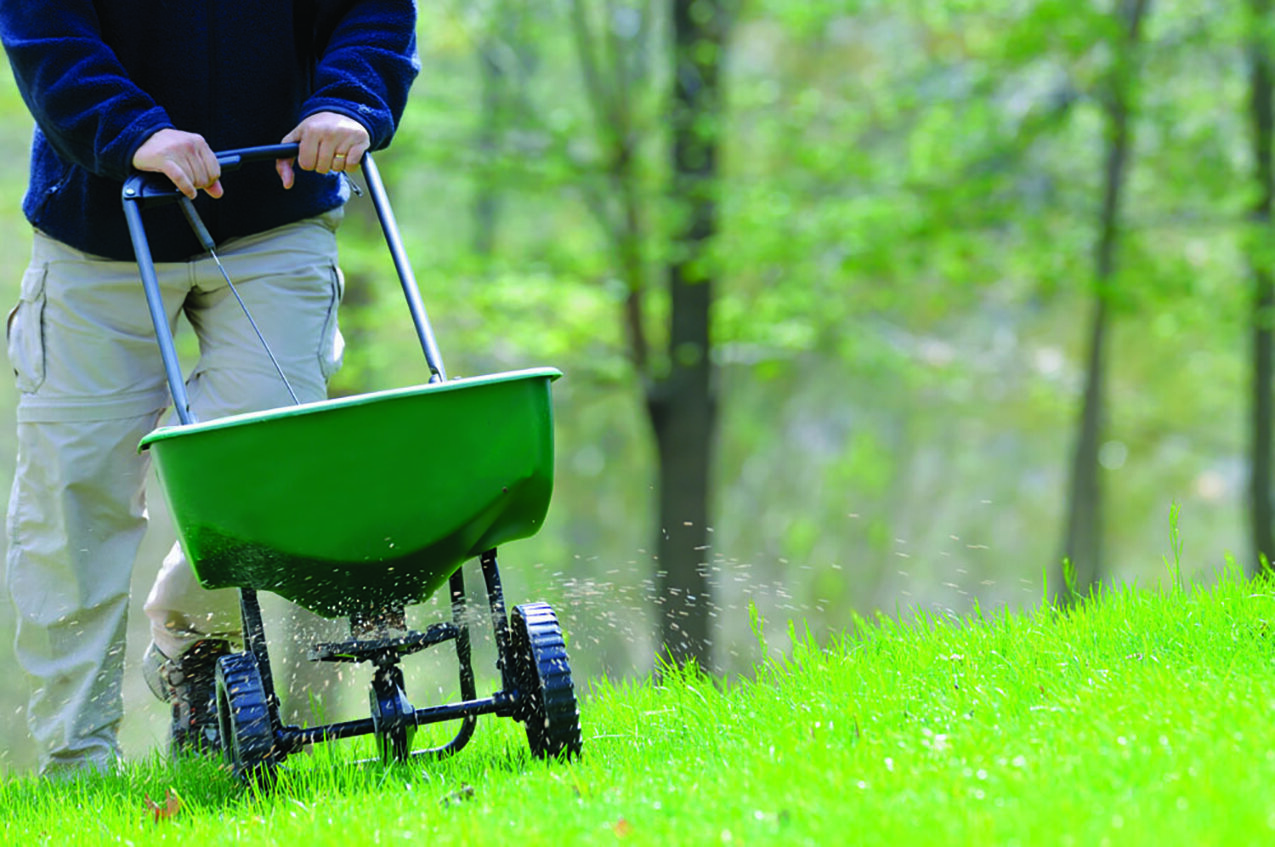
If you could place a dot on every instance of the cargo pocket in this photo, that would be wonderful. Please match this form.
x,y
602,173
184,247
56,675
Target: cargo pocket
x,y
332,344
25,333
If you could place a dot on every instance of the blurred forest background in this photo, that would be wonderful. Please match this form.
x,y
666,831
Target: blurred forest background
x,y
987,290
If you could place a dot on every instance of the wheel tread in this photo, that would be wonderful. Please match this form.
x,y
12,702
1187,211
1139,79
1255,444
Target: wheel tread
x,y
549,710
247,735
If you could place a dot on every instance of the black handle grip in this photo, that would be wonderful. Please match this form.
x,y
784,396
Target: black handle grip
x,y
232,159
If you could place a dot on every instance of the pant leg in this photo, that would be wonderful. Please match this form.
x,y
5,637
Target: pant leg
x,y
76,519
289,280
91,385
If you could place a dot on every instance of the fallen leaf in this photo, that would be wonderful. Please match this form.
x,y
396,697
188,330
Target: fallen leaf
x,y
168,811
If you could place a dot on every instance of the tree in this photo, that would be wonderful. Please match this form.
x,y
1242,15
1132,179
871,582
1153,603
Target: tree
x,y
1263,296
677,381
682,403
1082,541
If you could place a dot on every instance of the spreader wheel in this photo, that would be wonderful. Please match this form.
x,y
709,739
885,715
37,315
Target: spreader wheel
x,y
243,718
547,699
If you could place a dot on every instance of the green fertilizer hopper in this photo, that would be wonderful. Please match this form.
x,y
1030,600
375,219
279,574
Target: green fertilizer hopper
x,y
350,505
359,507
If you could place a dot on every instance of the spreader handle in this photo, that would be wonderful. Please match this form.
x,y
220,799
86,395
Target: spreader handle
x,y
144,190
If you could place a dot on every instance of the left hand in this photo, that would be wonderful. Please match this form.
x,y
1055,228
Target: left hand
x,y
328,142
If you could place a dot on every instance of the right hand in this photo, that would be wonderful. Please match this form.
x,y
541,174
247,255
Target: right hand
x,y
183,157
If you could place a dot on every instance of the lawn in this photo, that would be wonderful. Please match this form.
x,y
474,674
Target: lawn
x,y
1138,717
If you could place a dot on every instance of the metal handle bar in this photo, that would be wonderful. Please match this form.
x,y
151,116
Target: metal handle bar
x,y
412,291
231,159
144,190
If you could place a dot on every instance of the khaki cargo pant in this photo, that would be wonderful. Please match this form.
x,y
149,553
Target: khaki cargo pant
x,y
91,385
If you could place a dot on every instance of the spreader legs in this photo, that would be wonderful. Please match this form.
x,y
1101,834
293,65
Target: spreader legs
x,y
536,684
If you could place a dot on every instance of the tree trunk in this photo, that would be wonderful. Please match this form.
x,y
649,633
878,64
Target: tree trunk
x,y
1260,112
682,403
1082,565
1082,546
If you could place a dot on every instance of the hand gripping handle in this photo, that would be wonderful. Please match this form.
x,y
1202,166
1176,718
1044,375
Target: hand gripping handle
x,y
154,189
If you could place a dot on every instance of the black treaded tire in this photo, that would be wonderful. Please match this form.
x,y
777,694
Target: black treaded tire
x,y
243,716
547,699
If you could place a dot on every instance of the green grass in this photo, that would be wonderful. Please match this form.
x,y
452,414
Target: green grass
x,y
1140,717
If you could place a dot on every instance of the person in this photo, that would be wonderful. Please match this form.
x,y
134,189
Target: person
x,y
152,85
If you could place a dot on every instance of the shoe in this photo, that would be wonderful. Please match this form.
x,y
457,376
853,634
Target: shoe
x,y
188,683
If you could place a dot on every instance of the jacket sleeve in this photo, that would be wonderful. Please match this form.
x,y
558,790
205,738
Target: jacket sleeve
x,y
366,63
78,92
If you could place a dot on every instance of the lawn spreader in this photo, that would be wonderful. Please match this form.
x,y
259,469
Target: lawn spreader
x,y
359,507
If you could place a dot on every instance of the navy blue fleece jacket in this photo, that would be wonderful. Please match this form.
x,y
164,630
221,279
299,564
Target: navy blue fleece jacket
x,y
101,76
